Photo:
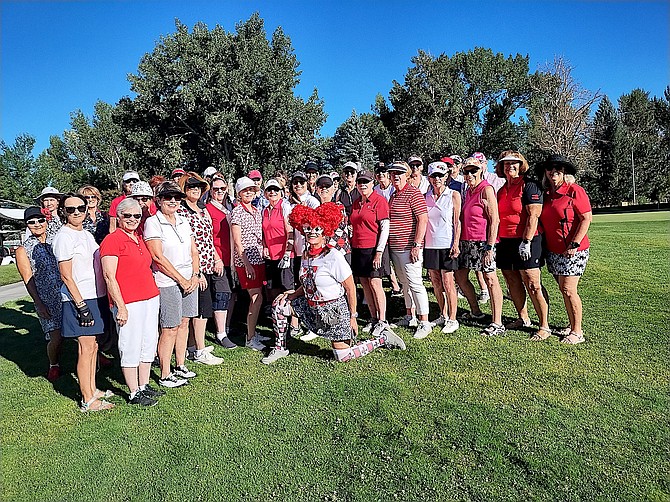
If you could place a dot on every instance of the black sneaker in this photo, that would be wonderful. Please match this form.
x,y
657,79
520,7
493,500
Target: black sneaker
x,y
142,399
152,393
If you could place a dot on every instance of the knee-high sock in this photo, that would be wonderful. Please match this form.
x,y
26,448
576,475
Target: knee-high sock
x,y
280,324
359,350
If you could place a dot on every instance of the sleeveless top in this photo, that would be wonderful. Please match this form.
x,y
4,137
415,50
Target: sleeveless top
x,y
440,229
274,230
473,218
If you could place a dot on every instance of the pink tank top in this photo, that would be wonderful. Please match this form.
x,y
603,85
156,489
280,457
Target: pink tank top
x,y
473,219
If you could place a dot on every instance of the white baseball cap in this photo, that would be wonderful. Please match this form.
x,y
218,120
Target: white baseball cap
x,y
244,182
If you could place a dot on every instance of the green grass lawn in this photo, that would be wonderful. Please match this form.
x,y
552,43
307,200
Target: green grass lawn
x,y
9,274
454,417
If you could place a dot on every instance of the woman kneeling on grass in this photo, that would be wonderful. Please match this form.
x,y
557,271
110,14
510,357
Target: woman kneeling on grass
x,y
566,216
326,299
83,294
126,264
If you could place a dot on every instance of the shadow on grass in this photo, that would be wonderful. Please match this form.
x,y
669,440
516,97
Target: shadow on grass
x,y
23,343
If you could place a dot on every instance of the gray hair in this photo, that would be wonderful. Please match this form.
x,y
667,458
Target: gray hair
x,y
128,204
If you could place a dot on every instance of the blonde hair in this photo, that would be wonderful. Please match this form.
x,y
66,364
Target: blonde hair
x,y
92,190
569,179
500,168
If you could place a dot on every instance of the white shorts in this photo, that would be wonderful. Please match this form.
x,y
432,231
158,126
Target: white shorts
x,y
138,338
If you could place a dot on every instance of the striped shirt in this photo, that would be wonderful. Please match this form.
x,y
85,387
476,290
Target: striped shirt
x,y
404,208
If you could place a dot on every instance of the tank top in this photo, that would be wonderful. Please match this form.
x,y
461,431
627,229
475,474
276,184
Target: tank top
x,y
274,231
440,229
473,218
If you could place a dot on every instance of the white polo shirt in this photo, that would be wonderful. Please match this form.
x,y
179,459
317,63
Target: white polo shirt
x,y
176,240
440,229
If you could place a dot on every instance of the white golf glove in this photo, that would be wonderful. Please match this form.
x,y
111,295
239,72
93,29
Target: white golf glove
x,y
524,250
285,261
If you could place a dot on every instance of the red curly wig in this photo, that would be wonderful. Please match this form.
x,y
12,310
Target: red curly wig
x,y
327,216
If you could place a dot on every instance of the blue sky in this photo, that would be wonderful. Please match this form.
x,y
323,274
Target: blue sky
x,y
61,56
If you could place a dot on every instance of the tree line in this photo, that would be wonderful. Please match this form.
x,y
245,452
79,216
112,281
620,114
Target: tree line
x,y
209,97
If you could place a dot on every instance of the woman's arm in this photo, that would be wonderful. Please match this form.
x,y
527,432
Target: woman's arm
x,y
534,212
109,266
582,227
65,268
493,218
456,204
23,264
155,247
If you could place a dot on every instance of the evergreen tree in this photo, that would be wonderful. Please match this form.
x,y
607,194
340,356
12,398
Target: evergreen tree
x,y
352,142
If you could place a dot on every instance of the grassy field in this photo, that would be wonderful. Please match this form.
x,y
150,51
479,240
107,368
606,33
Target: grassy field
x,y
454,417
9,274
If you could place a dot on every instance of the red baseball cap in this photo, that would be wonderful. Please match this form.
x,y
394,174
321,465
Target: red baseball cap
x,y
254,173
448,160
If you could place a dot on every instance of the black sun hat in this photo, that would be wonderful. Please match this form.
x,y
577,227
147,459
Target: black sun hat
x,y
555,160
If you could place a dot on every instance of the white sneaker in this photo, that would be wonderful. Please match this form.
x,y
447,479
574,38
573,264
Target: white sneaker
x,y
254,344
379,328
450,326
438,322
406,322
309,336
423,330
172,381
274,355
190,354
183,372
208,359
459,293
483,297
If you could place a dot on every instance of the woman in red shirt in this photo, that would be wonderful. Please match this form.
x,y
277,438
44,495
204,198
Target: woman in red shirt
x,y
519,249
223,298
566,216
277,241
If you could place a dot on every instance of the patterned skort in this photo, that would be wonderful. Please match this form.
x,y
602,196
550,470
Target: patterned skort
x,y
557,264
472,256
330,320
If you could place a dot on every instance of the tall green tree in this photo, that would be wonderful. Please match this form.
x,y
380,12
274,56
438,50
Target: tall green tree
x,y
211,97
603,179
642,137
455,104
352,142
17,163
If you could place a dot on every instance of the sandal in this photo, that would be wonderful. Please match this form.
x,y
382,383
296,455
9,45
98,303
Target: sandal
x,y
541,334
573,338
493,329
518,324
561,331
99,394
95,404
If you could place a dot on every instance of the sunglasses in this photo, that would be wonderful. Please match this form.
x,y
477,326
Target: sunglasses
x,y
218,189
196,187
363,182
471,172
323,187
132,180
312,230
143,199
297,182
170,198
349,173
272,189
90,197
415,166
436,175
558,169
37,221
128,216
72,209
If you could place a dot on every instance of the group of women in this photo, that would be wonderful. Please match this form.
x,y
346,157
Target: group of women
x,y
179,250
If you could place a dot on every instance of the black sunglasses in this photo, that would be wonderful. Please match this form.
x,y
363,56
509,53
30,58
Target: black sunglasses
x,y
72,209
127,216
37,221
169,198
298,182
143,199
272,189
218,189
90,197
471,171
132,180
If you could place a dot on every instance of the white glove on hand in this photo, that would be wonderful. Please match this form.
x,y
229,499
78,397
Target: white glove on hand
x,y
285,261
524,250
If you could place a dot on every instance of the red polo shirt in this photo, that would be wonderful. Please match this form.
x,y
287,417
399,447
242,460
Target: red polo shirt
x,y
221,233
512,201
365,218
558,216
133,271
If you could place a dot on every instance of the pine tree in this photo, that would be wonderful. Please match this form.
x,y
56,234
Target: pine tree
x,y
352,142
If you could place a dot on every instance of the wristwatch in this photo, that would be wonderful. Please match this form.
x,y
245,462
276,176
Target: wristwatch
x,y
573,245
416,244
354,315
487,247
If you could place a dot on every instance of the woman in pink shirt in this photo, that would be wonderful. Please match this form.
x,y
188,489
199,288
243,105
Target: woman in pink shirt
x,y
479,231
277,241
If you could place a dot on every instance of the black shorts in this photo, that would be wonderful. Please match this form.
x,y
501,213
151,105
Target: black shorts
x,y
221,289
205,299
361,263
439,259
507,254
278,278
